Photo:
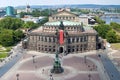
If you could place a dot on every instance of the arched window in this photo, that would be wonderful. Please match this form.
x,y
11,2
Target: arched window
x,y
68,40
45,39
41,38
77,39
56,17
73,40
81,39
63,17
53,18
49,39
66,17
59,17
73,18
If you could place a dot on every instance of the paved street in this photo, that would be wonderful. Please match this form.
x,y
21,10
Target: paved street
x,y
111,70
10,61
74,67
9,64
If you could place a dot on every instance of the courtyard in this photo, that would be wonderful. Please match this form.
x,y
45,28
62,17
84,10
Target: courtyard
x,y
36,66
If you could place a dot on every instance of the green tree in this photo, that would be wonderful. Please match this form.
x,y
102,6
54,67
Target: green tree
x,y
118,38
111,36
102,29
99,21
6,37
17,35
43,21
115,26
30,25
45,12
11,23
36,13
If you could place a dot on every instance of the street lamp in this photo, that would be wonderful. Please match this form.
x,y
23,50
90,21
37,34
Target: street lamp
x,y
17,76
33,58
89,76
85,59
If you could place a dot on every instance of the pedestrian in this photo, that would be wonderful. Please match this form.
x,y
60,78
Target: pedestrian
x,y
42,71
51,77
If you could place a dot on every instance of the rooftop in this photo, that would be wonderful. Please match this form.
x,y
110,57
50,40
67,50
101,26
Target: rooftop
x,y
89,29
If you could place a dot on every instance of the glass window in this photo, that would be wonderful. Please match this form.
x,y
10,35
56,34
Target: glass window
x,y
81,39
73,40
41,38
77,40
59,17
68,40
49,39
66,17
73,17
53,17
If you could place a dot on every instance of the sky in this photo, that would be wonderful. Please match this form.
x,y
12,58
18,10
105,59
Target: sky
x,y
4,3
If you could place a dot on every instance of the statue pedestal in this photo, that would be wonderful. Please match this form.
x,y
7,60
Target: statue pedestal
x,y
57,66
57,70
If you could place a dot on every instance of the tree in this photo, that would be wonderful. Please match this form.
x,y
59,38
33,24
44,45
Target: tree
x,y
30,25
43,21
102,29
98,20
115,26
118,38
36,13
17,35
111,36
6,37
11,23
10,37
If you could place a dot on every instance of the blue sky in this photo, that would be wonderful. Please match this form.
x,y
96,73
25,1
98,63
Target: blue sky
x,y
4,3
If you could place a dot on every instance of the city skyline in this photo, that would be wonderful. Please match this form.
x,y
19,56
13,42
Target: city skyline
x,y
14,3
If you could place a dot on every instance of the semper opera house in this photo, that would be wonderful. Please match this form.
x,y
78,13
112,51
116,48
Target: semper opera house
x,y
63,32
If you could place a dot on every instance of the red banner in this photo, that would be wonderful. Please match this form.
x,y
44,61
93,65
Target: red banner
x,y
61,37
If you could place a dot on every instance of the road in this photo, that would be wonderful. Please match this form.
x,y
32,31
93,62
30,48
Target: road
x,y
111,70
9,64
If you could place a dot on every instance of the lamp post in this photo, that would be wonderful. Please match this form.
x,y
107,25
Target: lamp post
x,y
33,58
17,76
89,76
85,59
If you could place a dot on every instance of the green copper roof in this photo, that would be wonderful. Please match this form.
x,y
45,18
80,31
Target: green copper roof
x,y
65,23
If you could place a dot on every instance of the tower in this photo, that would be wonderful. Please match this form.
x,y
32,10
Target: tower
x,y
28,9
10,11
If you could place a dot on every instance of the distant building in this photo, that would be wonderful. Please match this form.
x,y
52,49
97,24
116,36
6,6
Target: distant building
x,y
27,10
2,13
63,32
61,9
10,11
83,19
64,15
32,19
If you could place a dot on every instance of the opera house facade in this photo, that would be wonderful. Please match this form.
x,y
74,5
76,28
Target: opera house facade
x,y
63,32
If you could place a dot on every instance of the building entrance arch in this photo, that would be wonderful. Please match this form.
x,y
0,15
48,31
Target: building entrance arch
x,y
61,49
